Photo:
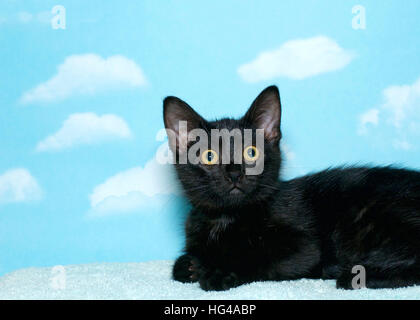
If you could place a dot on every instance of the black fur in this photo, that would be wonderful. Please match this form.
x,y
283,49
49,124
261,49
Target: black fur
x,y
316,226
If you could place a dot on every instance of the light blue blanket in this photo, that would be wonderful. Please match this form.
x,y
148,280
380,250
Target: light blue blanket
x,y
151,280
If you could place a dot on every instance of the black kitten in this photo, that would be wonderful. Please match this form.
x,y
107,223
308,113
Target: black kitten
x,y
245,228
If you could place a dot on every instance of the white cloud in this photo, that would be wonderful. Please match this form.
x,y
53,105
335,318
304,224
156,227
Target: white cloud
x,y
297,59
287,152
85,128
43,17
402,145
135,188
402,102
291,166
87,74
28,18
400,114
18,185
24,17
370,117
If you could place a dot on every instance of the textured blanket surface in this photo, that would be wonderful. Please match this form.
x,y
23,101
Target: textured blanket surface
x,y
151,280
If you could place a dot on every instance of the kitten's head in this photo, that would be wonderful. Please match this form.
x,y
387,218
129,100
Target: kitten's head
x,y
211,180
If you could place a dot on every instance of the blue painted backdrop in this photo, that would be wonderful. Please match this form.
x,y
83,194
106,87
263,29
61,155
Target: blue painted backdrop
x,y
81,107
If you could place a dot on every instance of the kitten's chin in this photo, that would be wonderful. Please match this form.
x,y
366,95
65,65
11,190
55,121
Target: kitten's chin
x,y
222,199
235,197
235,191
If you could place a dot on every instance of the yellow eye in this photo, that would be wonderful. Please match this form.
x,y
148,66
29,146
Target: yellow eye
x,y
251,153
209,157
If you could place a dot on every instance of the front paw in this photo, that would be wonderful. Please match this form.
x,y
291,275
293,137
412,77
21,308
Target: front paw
x,y
218,280
185,269
344,282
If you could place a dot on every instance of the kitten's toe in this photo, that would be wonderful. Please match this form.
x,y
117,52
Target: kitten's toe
x,y
344,282
219,281
184,270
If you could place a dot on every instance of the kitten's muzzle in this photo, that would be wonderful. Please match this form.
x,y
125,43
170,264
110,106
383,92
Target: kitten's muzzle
x,y
236,190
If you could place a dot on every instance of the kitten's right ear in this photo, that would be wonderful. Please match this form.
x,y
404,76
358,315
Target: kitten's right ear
x,y
265,113
180,119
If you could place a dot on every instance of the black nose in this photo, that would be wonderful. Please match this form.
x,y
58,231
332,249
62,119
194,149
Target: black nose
x,y
235,176
234,172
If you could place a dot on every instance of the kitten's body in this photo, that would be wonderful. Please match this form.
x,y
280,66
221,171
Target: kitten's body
x,y
317,226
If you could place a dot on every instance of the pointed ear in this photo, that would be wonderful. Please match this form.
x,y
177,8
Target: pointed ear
x,y
265,113
180,119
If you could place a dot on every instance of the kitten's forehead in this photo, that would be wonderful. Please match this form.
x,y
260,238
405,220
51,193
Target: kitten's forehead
x,y
227,123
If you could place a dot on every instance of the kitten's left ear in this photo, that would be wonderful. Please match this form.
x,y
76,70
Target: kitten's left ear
x,y
265,113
